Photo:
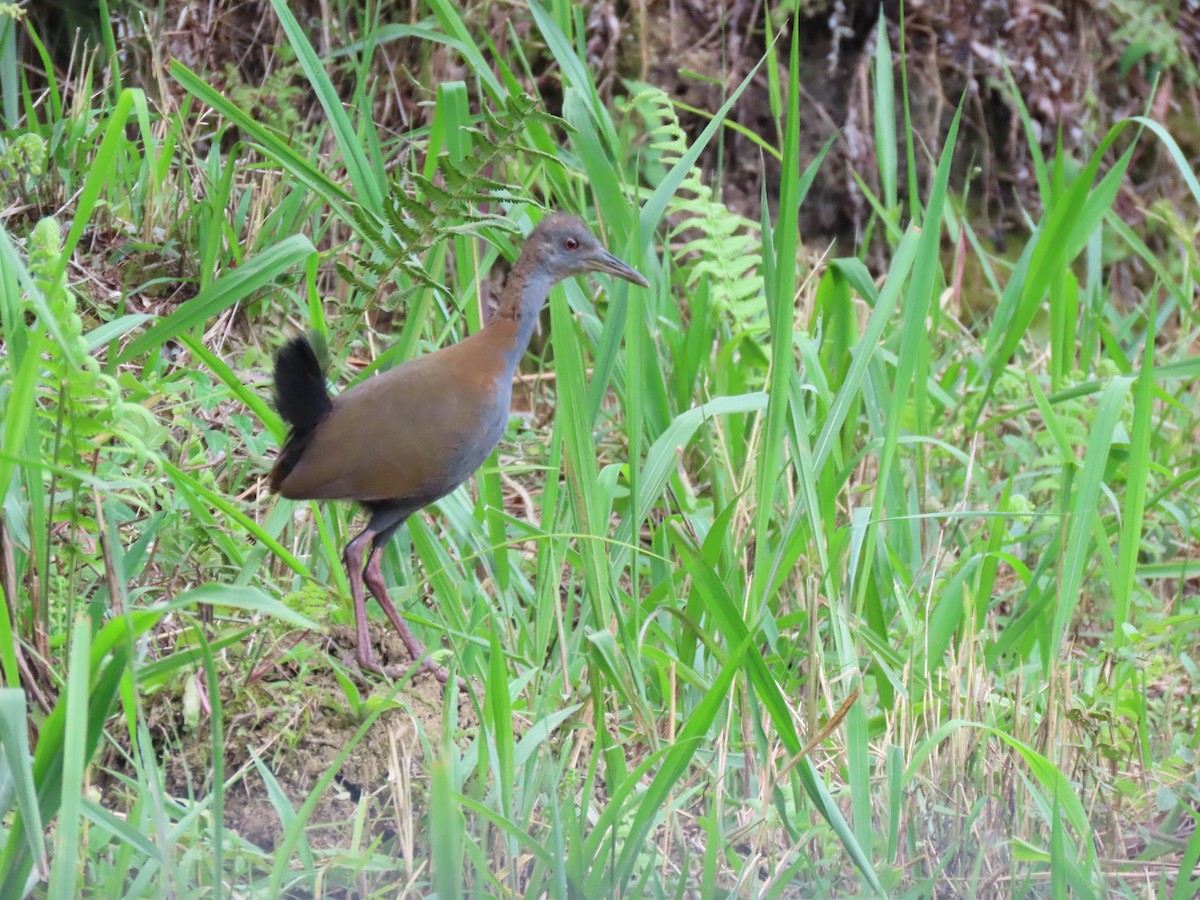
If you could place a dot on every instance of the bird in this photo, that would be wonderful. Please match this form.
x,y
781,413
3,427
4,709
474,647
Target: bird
x,y
403,439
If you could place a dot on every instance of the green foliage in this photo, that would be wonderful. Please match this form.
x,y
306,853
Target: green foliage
x,y
784,12
23,161
82,429
719,244
82,403
748,604
418,208
1148,28
274,102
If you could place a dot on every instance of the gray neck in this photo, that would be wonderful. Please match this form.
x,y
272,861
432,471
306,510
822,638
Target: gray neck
x,y
526,306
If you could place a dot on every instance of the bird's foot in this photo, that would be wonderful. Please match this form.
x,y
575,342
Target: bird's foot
x,y
422,666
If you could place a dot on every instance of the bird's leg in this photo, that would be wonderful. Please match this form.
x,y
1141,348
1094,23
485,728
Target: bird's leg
x,y
378,532
353,557
373,575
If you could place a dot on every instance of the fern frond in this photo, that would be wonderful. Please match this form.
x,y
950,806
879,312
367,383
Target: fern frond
x,y
417,208
719,244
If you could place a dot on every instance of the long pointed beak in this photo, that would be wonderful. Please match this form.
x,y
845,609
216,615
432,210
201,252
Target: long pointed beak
x,y
605,262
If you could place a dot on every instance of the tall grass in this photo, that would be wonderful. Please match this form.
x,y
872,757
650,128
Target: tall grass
x,y
825,591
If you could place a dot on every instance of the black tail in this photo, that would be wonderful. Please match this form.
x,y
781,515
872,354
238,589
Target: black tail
x,y
300,397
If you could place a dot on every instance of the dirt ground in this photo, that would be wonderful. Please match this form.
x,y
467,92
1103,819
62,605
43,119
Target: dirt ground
x,y
296,721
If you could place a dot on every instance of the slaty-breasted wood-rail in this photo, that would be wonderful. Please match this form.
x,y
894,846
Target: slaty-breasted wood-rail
x,y
403,439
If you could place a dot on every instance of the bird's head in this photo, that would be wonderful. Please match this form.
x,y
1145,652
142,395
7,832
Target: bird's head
x,y
562,246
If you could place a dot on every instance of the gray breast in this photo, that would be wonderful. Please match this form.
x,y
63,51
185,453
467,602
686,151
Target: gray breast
x,y
476,448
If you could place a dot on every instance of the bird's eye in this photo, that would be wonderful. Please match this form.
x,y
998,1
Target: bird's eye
x,y
571,243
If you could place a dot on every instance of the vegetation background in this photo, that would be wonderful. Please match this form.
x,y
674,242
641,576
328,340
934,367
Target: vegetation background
x,y
855,557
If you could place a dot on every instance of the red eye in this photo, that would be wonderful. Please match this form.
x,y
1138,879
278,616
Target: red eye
x,y
571,243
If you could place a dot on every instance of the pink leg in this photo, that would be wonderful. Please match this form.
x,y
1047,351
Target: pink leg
x,y
373,575
353,557
384,521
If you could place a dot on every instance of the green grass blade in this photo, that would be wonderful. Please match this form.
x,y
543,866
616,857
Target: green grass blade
x,y
293,162
221,294
675,762
1136,480
885,305
781,309
367,181
19,784
448,830
102,169
1083,507
64,870
885,117
735,630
